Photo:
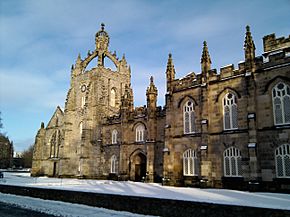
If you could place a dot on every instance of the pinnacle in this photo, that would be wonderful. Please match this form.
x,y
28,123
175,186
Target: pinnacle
x,y
248,39
205,57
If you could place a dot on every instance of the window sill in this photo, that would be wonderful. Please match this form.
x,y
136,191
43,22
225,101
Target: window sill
x,y
282,177
193,134
233,176
281,126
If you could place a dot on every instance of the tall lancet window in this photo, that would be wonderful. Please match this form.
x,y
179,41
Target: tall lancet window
x,y
188,117
114,136
54,142
113,98
189,163
281,103
113,164
140,131
230,111
282,158
232,162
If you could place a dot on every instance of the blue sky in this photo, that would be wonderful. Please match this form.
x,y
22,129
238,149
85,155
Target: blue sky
x,y
40,40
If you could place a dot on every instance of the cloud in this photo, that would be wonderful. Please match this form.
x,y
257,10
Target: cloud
x,y
23,90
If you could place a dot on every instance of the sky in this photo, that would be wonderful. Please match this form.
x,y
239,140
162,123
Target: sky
x,y
41,39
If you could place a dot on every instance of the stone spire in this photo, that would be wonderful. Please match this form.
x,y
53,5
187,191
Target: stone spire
x,y
152,88
170,71
123,60
205,61
151,94
249,48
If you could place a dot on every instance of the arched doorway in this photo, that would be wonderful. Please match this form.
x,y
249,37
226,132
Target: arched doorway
x,y
138,167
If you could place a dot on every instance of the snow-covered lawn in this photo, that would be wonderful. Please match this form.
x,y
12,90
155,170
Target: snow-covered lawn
x,y
62,209
218,196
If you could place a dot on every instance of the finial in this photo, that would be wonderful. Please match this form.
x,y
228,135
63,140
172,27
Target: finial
x,y
170,55
151,79
42,125
204,44
248,28
102,26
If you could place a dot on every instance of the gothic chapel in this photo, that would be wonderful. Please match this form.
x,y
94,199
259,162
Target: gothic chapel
x,y
223,129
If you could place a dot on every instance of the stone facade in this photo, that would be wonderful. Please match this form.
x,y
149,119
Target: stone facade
x,y
221,129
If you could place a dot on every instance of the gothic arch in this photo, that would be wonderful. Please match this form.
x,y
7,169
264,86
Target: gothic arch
x,y
137,151
137,123
185,98
227,90
137,165
274,81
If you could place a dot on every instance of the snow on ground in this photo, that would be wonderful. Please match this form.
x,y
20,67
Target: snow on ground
x,y
218,196
62,209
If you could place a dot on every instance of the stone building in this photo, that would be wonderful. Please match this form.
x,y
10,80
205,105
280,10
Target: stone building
x,y
219,129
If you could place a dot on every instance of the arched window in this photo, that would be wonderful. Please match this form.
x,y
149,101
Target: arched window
x,y
282,158
54,142
232,162
281,103
230,111
113,164
188,117
140,130
114,136
113,98
189,163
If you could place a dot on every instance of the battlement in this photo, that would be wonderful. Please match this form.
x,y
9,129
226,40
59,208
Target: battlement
x,y
272,43
140,111
187,81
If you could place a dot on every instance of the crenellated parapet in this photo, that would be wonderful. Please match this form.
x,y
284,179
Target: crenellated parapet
x,y
114,119
272,43
140,111
187,81
276,51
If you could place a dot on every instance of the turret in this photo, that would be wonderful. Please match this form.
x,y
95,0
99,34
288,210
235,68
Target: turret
x,y
127,99
205,62
151,94
249,48
170,72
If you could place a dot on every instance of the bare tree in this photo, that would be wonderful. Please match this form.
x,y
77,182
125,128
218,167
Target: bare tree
x,y
27,157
